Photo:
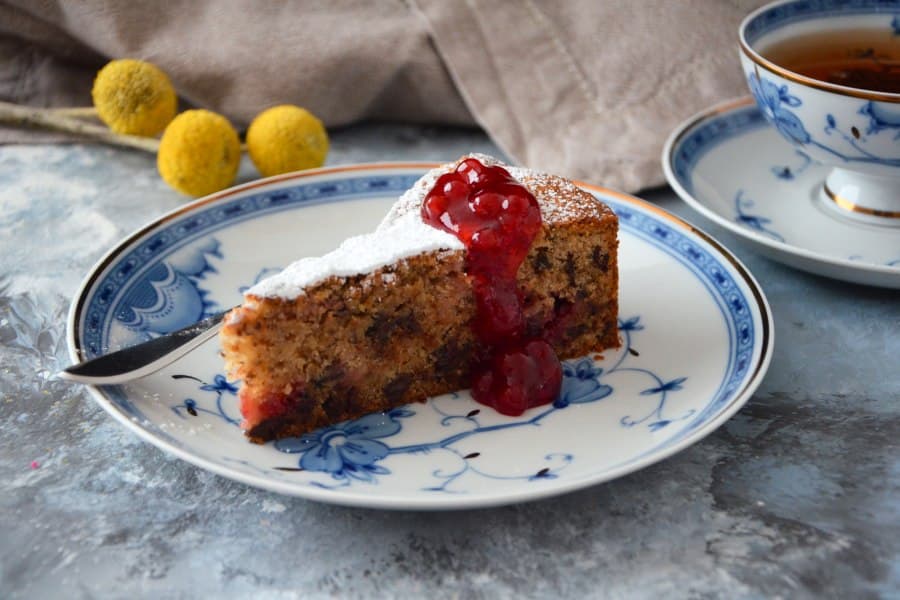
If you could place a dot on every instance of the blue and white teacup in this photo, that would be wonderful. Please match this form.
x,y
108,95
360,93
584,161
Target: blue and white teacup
x,y
855,131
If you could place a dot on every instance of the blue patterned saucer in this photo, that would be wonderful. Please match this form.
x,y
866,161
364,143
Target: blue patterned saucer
x,y
730,165
696,332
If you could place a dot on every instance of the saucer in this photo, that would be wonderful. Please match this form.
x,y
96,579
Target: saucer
x,y
730,165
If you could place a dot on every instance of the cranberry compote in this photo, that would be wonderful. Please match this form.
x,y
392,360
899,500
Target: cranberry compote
x,y
497,219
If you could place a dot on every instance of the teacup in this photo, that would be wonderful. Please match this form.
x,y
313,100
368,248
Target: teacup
x,y
847,116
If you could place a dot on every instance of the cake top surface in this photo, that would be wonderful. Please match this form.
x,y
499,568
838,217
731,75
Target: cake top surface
x,y
407,236
561,201
403,234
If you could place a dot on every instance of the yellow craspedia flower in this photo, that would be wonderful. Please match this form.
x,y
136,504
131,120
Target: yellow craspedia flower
x,y
134,97
286,138
199,153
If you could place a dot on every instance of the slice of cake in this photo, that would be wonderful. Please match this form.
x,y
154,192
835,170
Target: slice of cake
x,y
480,276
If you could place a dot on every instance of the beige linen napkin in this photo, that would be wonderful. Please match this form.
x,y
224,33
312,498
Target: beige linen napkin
x,y
585,88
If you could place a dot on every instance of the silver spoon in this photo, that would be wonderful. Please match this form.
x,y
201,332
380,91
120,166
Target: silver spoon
x,y
145,358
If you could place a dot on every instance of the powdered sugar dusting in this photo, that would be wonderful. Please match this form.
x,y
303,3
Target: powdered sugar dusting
x,y
402,233
407,236
560,200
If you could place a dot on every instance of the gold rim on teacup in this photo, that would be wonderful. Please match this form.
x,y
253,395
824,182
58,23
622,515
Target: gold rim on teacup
x,y
846,204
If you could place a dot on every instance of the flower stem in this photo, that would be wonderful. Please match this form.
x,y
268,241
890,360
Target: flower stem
x,y
14,114
76,112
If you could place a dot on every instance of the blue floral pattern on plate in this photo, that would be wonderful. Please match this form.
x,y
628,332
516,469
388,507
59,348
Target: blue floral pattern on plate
x,y
350,451
449,447
169,295
221,388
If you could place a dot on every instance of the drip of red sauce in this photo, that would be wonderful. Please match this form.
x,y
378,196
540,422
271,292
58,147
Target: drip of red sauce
x,y
497,218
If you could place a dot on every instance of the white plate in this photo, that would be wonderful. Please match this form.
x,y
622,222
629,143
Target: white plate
x,y
730,165
696,327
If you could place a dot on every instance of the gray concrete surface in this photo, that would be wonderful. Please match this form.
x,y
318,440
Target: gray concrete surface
x,y
797,496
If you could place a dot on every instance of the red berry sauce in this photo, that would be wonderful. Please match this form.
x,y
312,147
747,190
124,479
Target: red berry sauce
x,y
497,218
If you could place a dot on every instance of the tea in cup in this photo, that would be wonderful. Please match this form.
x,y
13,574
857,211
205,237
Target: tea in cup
x,y
826,75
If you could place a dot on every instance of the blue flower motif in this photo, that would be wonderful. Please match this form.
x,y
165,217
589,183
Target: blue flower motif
x,y
881,116
349,449
168,296
220,385
772,100
755,222
783,173
669,386
789,173
194,262
632,324
580,384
